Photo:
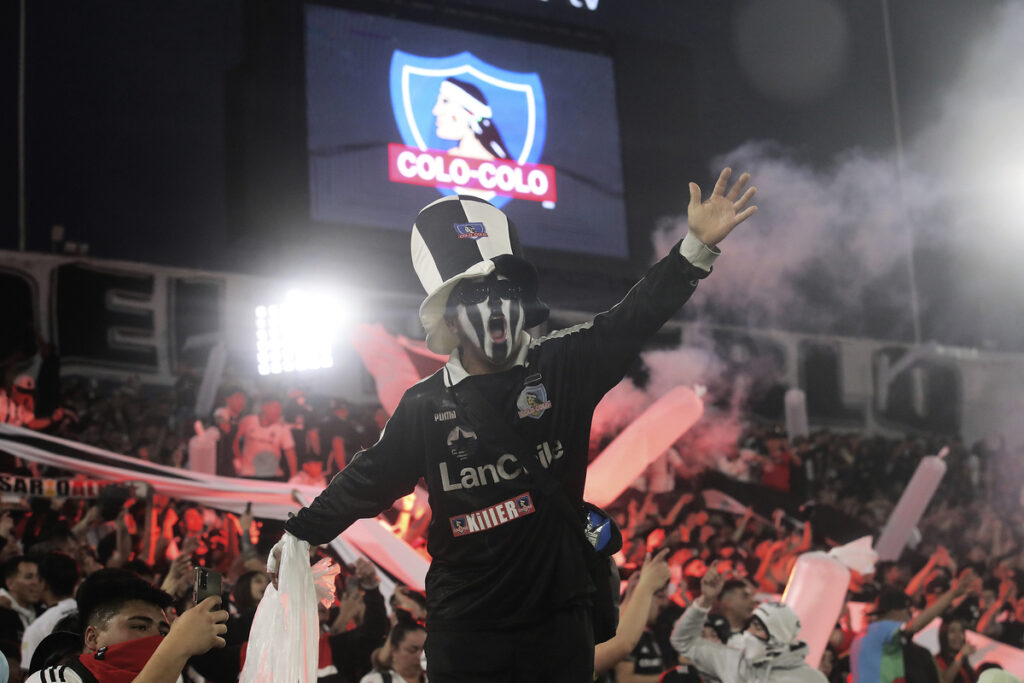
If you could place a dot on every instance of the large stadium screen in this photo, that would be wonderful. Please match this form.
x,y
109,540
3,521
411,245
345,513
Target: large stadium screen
x,y
400,113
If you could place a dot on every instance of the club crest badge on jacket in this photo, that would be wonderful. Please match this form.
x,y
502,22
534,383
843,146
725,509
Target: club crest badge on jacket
x,y
533,400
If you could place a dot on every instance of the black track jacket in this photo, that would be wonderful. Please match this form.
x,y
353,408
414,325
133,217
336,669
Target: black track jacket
x,y
502,554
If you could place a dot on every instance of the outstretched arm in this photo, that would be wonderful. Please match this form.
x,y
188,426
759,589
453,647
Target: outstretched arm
x,y
673,514
616,336
369,485
918,582
712,658
926,615
653,576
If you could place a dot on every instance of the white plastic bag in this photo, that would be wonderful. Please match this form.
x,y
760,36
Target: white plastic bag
x,y
284,640
324,573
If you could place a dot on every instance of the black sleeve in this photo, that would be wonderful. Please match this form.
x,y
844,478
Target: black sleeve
x,y
375,621
369,484
610,343
219,664
351,650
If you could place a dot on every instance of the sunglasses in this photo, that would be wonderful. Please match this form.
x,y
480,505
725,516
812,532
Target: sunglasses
x,y
473,293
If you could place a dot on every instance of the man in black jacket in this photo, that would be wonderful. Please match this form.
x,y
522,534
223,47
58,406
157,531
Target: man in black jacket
x,y
508,590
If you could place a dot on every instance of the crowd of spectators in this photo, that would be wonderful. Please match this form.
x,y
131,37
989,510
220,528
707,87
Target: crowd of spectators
x,y
78,582
275,434
148,545
831,487
965,562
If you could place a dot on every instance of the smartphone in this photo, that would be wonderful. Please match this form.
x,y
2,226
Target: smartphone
x,y
207,583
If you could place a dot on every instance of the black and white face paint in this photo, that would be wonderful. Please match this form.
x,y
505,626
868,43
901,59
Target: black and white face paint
x,y
489,313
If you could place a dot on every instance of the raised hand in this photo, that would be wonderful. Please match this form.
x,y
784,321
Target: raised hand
x,y
655,573
712,220
1007,590
245,524
199,629
366,573
179,576
710,586
968,583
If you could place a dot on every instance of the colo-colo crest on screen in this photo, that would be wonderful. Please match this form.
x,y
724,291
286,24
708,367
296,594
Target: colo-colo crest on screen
x,y
469,127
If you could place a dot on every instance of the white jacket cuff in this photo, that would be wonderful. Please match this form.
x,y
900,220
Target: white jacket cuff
x,y
697,253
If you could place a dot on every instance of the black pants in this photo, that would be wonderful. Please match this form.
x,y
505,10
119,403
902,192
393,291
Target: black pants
x,y
560,649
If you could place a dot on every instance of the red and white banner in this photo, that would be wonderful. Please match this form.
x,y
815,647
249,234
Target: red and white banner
x,y
45,487
434,168
270,500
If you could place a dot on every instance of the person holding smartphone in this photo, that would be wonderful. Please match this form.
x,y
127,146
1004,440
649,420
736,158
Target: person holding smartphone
x,y
127,635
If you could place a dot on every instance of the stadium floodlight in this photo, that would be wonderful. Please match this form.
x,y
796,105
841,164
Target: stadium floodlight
x,y
298,333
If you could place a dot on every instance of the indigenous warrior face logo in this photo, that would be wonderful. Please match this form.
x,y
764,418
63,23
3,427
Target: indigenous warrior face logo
x,y
459,526
462,442
524,503
469,127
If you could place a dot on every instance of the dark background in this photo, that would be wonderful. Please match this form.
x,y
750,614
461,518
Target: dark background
x,y
158,131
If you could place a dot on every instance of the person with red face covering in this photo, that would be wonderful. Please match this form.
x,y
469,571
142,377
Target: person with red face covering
x,y
126,635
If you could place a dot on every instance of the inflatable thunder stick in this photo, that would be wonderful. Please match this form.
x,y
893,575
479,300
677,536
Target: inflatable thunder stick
x,y
796,414
640,444
817,590
911,506
387,361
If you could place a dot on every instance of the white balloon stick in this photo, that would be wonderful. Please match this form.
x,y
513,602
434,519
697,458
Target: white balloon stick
x,y
641,443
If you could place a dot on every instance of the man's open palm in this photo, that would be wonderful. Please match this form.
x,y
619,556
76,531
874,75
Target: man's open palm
x,y
710,221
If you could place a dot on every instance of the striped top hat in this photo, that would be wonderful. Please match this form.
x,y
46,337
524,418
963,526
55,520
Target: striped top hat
x,y
460,237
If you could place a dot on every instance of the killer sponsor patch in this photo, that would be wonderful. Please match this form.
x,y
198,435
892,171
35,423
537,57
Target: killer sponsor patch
x,y
492,515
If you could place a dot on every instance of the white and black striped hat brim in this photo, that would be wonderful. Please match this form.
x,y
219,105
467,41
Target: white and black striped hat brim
x,y
459,237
